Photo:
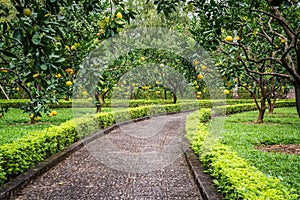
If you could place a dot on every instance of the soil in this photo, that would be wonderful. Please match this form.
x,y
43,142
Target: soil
x,y
281,148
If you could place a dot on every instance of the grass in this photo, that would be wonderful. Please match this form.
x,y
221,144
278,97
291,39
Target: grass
x,y
283,127
15,124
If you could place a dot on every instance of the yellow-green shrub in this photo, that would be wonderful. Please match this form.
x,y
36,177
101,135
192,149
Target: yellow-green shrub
x,y
233,176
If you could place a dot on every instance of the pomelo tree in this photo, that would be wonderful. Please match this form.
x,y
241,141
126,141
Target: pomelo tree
x,y
43,44
267,32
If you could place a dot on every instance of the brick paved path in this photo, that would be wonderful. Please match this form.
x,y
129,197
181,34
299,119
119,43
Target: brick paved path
x,y
143,160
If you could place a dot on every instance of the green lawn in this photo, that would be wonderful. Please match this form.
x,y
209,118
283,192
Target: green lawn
x,y
15,123
283,127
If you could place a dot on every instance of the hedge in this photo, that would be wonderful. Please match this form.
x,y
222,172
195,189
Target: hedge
x,y
20,155
233,176
18,103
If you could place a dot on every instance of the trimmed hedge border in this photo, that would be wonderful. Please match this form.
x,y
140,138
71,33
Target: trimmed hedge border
x,y
234,177
17,103
26,152
11,189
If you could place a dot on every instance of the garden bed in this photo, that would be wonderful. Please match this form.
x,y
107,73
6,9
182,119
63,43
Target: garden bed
x,y
240,170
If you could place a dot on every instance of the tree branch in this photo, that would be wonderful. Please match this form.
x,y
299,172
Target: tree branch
x,y
280,19
251,59
264,33
247,70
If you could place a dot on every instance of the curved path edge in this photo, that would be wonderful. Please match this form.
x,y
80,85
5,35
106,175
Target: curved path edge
x,y
204,182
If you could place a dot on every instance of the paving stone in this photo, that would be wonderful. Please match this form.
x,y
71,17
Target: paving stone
x,y
139,161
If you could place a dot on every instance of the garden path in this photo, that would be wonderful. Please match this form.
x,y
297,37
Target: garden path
x,y
142,160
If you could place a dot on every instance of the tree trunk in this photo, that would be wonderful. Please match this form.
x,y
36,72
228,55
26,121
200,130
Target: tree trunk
x,y
261,111
174,98
271,106
236,92
261,115
6,96
99,106
297,95
100,99
165,94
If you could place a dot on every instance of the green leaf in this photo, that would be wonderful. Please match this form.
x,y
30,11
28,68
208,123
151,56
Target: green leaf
x,y
120,22
37,37
60,60
44,67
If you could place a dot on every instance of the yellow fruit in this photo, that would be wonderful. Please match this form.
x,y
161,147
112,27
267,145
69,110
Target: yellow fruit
x,y
67,47
1,115
236,80
90,98
199,76
229,38
237,38
37,118
106,19
222,30
203,67
47,15
157,82
142,58
157,92
198,96
104,90
27,12
73,47
31,116
196,62
4,70
70,71
249,86
54,112
84,93
199,93
69,83
98,34
226,91
35,75
17,89
145,87
102,24
282,40
197,86
57,75
50,115
119,15
161,65
101,31
245,85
